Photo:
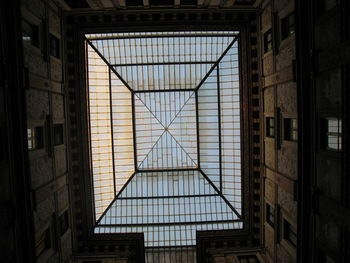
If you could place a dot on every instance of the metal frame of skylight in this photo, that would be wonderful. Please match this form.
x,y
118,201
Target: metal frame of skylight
x,y
216,65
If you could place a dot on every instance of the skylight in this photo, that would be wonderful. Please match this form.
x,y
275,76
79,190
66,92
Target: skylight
x,y
164,118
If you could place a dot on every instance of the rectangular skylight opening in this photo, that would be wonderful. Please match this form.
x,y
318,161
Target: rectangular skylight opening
x,y
164,124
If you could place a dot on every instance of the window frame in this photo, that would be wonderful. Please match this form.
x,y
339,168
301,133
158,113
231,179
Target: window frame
x,y
270,127
325,134
54,46
270,214
287,28
290,233
268,41
290,131
36,138
34,34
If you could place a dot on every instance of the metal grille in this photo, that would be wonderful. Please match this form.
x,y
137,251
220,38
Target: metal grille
x,y
164,112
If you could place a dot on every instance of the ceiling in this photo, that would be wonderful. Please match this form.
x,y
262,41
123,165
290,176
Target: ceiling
x,y
147,4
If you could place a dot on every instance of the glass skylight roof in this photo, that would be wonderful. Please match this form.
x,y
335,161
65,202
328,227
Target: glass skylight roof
x,y
164,115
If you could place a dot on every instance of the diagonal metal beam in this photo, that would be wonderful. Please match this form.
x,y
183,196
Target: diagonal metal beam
x,y
154,145
216,63
109,65
105,212
181,109
219,193
126,184
181,147
150,111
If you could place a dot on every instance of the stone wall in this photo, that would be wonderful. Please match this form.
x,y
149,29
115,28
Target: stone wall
x,y
279,93
45,100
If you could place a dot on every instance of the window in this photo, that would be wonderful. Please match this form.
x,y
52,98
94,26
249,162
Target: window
x,y
270,215
164,122
290,129
270,127
54,43
35,138
30,33
248,259
58,134
289,233
287,26
63,223
331,134
268,41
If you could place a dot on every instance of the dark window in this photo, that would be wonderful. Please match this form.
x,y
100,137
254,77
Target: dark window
x,y
331,134
289,233
58,134
64,222
287,26
35,138
270,215
270,127
290,129
268,41
54,46
248,259
30,33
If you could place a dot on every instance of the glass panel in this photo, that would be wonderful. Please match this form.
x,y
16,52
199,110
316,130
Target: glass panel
x,y
162,105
